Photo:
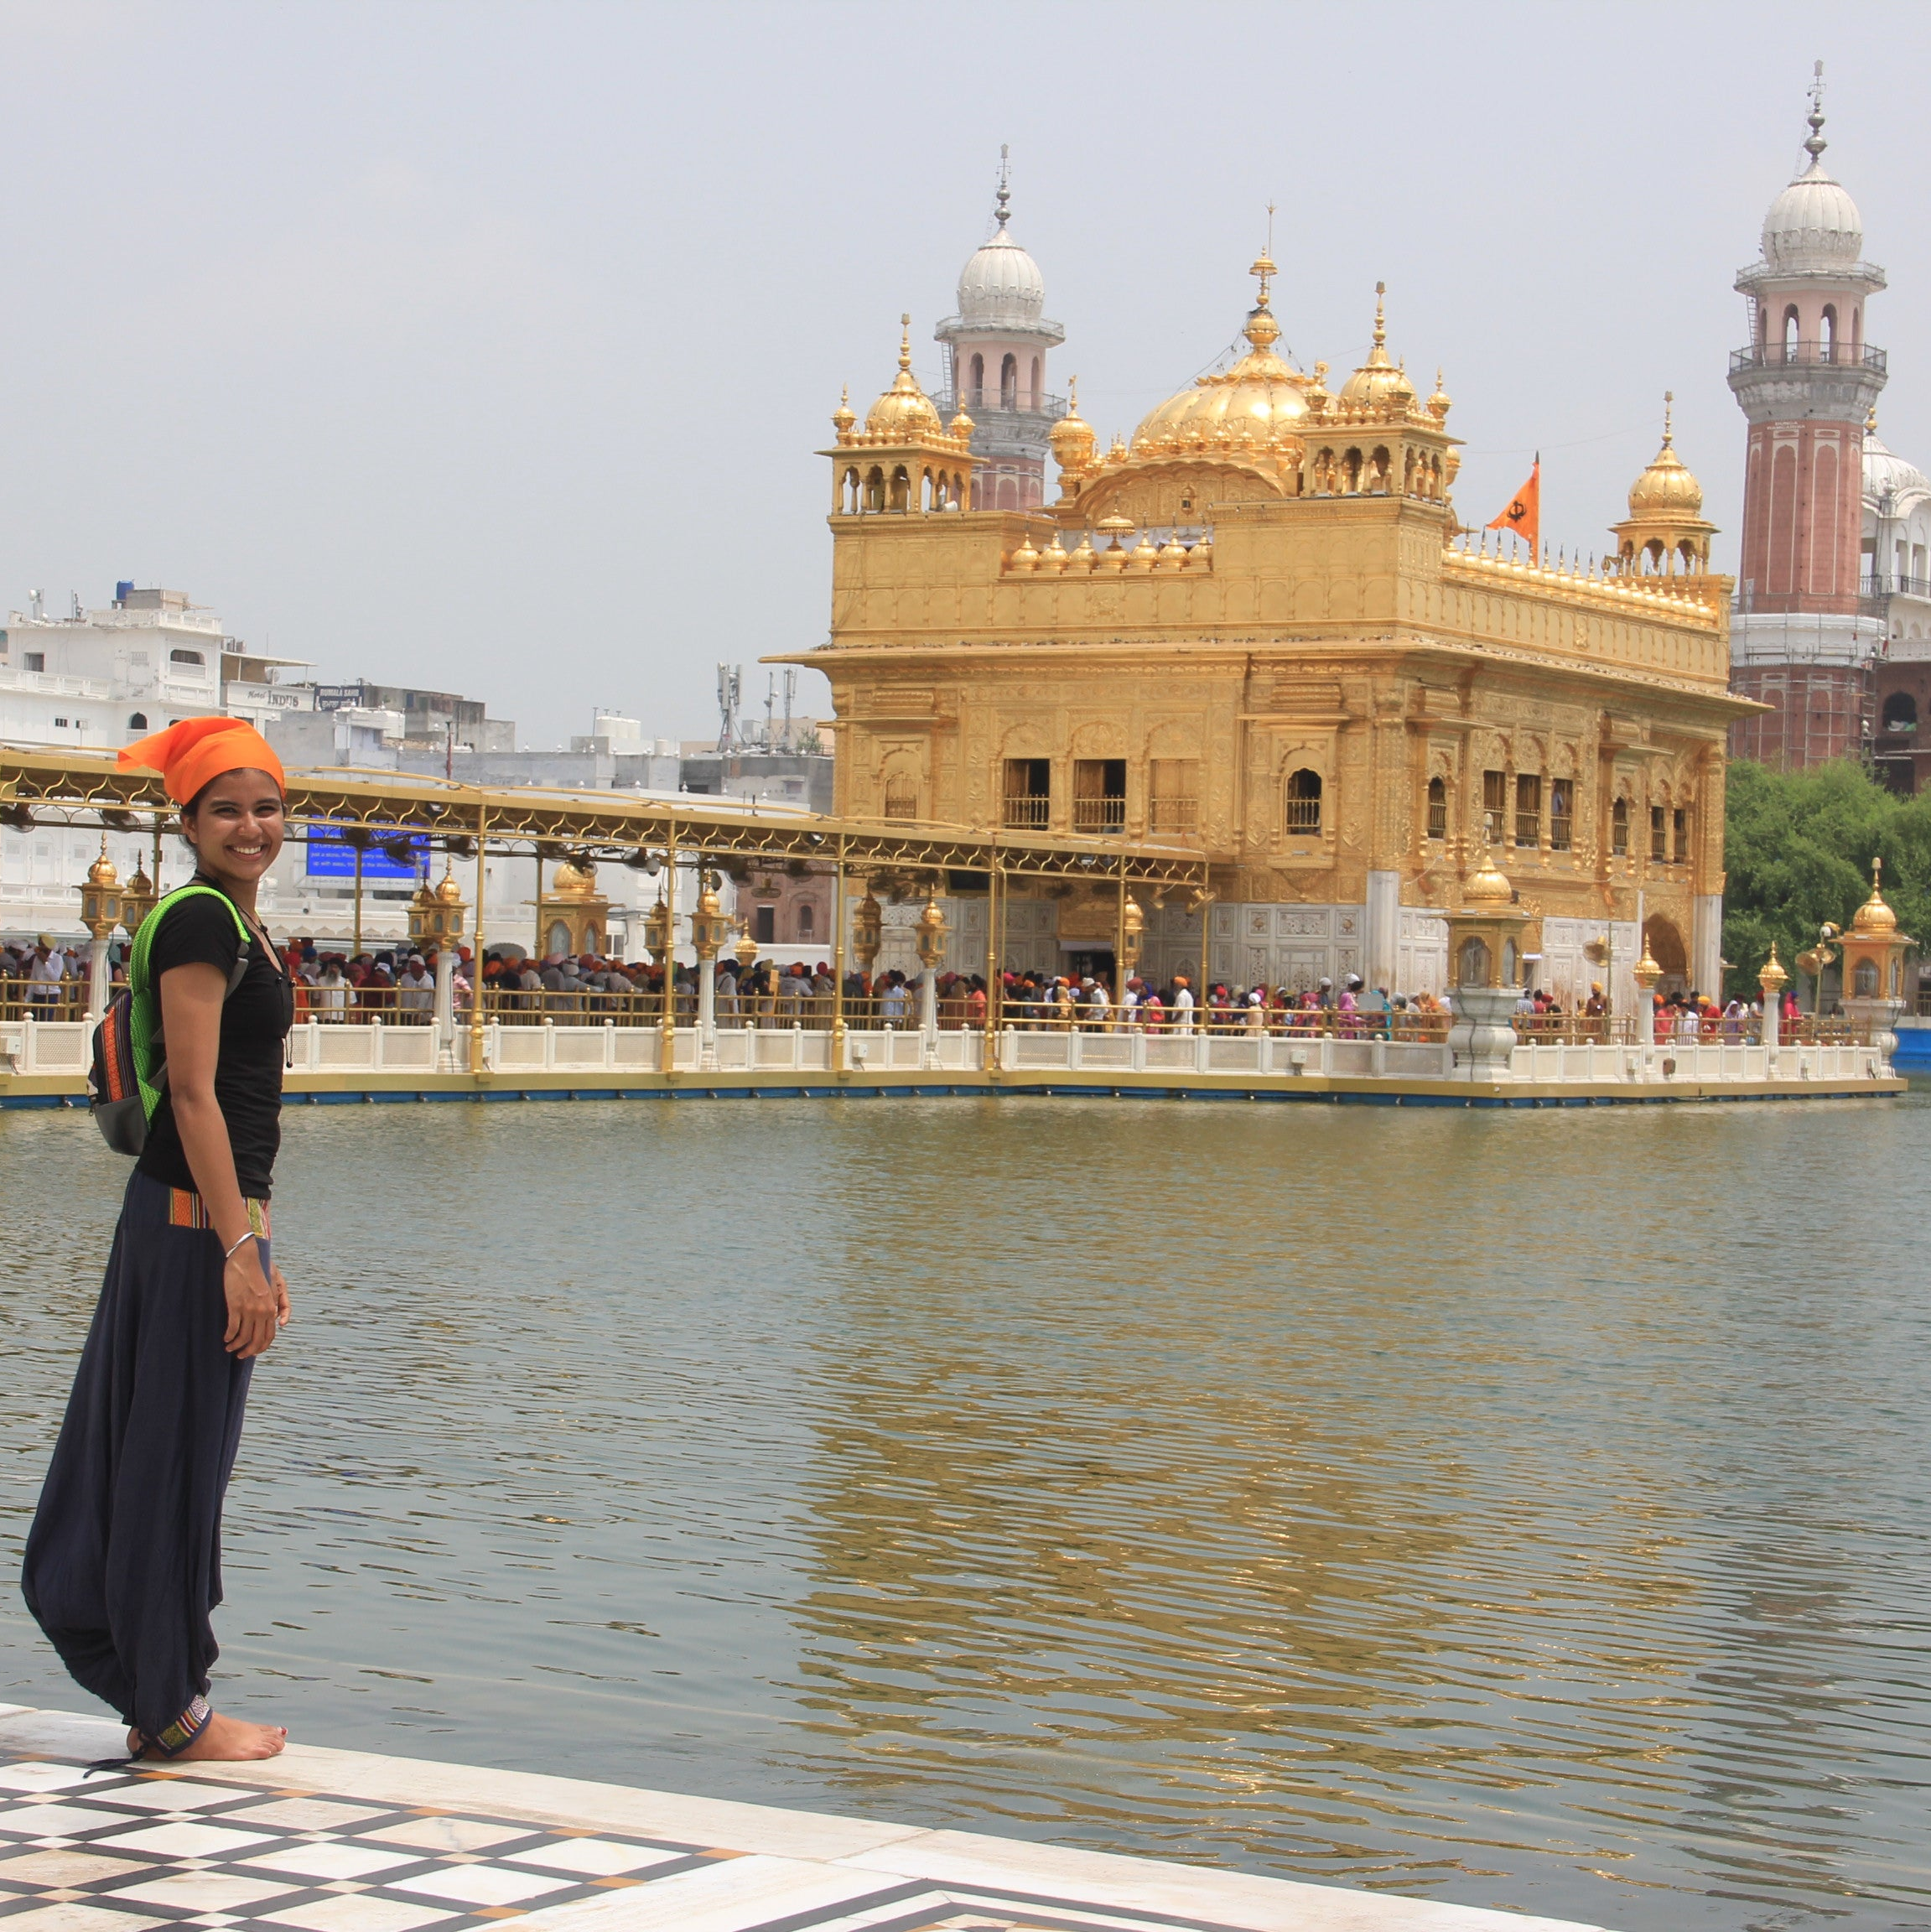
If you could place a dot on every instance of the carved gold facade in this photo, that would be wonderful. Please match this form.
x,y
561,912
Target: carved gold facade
x,y
1257,628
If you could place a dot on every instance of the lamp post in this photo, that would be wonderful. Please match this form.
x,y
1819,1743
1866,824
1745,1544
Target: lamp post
x,y
1771,980
436,919
1484,966
138,898
1874,949
101,913
931,950
1645,973
709,929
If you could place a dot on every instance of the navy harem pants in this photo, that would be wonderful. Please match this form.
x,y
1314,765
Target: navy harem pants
x,y
123,1562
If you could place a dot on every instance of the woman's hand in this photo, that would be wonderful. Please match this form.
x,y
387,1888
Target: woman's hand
x,y
256,1309
279,1282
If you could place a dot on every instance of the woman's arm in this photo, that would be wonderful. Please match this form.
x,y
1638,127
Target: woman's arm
x,y
191,1000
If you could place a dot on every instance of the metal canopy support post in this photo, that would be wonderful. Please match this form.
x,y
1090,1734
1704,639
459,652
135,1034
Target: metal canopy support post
x,y
838,960
667,1026
476,943
995,952
1120,947
357,948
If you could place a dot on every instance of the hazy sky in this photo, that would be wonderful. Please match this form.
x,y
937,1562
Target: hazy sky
x,y
487,347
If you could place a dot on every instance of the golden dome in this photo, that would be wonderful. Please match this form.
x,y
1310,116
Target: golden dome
x,y
1874,920
140,884
1439,404
101,872
574,881
1489,887
1072,437
1666,490
1255,406
449,892
842,417
904,412
960,426
1377,383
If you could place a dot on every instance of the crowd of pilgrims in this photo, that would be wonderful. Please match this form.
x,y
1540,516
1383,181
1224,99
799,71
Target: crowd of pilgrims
x,y
398,986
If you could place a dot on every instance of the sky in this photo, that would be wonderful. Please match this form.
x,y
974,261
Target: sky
x,y
489,347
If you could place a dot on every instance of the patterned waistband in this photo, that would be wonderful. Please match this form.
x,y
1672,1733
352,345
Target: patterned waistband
x,y
187,1209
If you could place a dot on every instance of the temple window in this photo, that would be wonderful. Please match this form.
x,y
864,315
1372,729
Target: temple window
x,y
1900,713
901,803
902,494
1679,822
1304,801
978,381
1173,794
1790,333
1619,829
137,721
1658,834
1437,808
1009,383
1037,401
1864,980
765,924
1494,804
1830,333
875,489
1561,810
807,919
1099,794
1028,793
1351,472
1474,969
1529,809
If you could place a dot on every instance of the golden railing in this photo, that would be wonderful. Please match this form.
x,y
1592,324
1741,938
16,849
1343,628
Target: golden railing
x,y
43,998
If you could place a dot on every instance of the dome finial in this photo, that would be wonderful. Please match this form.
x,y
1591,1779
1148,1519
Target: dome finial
x,y
906,342
1005,194
1264,262
1816,144
1669,405
1870,420
1380,322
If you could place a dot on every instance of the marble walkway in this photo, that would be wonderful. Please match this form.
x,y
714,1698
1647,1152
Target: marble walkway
x,y
322,1841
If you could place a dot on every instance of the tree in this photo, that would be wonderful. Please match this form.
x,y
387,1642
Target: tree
x,y
1797,847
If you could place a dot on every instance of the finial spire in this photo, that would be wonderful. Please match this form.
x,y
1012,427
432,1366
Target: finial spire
x,y
1380,322
1669,405
1264,262
905,341
1816,144
1005,195
1073,396
1870,420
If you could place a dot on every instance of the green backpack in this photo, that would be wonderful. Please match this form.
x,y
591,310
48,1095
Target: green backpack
x,y
130,1069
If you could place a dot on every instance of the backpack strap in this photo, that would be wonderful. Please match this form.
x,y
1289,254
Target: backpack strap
x,y
144,998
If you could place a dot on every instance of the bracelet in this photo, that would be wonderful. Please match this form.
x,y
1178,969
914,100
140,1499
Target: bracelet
x,y
228,1255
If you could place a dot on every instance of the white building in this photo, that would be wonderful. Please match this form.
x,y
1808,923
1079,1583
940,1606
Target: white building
x,y
96,680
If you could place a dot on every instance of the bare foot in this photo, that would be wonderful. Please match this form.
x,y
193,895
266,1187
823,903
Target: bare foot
x,y
224,1740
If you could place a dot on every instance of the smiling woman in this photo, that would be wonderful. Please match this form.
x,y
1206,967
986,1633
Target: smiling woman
x,y
123,1562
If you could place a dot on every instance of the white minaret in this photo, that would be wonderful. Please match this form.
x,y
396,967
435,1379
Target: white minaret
x,y
998,344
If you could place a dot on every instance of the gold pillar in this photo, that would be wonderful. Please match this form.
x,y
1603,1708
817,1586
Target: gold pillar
x,y
667,1023
476,950
838,961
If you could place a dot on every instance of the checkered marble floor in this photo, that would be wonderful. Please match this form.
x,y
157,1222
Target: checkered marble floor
x,y
320,1840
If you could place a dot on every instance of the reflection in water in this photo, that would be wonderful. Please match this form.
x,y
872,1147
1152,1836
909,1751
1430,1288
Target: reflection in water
x,y
1519,1510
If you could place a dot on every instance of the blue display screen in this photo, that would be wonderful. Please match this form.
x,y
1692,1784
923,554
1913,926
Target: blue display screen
x,y
330,856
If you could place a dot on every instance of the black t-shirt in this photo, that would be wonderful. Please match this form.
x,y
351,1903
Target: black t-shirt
x,y
255,1022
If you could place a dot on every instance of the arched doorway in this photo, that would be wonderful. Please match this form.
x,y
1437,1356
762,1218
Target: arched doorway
x,y
1666,947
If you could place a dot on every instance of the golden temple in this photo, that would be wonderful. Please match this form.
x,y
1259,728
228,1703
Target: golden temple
x,y
1257,628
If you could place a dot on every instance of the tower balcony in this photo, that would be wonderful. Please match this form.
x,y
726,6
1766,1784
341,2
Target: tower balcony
x,y
1799,354
1795,382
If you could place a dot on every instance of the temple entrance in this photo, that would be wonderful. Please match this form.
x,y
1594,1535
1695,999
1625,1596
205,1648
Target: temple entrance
x,y
1095,960
1667,949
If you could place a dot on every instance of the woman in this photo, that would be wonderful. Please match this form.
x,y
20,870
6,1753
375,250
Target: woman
x,y
123,1562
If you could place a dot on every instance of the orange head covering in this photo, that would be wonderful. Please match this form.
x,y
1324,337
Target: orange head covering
x,y
197,749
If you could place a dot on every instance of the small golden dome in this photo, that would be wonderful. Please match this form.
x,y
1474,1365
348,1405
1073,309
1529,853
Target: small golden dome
x,y
1026,558
101,872
449,892
1054,556
960,426
904,412
708,902
574,881
1144,553
1379,383
1874,920
1439,404
140,884
1488,886
1666,490
843,418
1072,437
1773,976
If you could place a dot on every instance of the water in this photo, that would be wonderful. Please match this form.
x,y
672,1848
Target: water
x,y
1517,1509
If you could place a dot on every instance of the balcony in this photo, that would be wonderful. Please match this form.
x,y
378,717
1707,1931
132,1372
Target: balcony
x,y
1800,354
981,403
1099,814
1024,813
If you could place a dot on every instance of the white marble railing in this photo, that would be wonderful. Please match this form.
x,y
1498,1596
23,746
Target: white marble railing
x,y
60,1048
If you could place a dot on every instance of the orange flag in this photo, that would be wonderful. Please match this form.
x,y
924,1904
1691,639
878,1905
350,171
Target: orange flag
x,y
1523,515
